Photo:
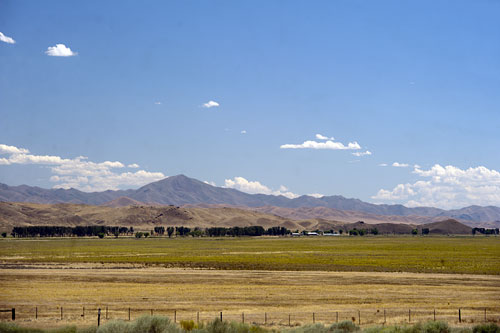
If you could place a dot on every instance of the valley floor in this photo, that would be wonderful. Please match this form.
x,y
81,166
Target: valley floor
x,y
301,280
263,296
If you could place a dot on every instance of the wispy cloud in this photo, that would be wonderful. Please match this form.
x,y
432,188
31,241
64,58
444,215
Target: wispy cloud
x,y
329,144
243,132
322,137
254,187
157,103
383,164
362,153
447,187
400,165
210,104
60,50
5,39
79,172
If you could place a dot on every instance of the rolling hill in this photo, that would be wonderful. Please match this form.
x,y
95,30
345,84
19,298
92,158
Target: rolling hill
x,y
143,217
181,190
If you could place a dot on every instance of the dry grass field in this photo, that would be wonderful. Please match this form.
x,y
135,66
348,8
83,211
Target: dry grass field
x,y
50,274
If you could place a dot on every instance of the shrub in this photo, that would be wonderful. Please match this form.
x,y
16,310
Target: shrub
x,y
343,326
138,234
100,235
154,324
4,234
435,327
187,325
218,326
115,326
13,328
311,328
486,328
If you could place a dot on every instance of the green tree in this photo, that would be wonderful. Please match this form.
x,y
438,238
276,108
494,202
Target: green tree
x,y
414,232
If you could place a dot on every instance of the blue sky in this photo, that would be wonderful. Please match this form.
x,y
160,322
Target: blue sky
x,y
415,83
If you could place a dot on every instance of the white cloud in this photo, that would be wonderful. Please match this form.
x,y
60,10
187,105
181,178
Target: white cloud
x,y
157,103
210,104
400,165
254,187
243,132
79,172
383,164
447,187
60,50
360,153
322,137
209,183
6,39
4,149
322,145
316,195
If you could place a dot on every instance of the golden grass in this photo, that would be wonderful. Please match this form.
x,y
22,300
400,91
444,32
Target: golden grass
x,y
261,275
278,294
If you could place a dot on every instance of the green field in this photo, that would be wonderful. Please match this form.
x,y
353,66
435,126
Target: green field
x,y
474,255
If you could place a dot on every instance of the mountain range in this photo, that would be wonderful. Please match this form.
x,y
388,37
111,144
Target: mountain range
x,y
181,190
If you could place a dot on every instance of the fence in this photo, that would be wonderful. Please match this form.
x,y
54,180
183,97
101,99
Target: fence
x,y
359,316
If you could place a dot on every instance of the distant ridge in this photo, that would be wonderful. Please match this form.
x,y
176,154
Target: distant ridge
x,y
181,190
146,217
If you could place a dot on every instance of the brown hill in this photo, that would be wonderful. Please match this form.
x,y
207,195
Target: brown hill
x,y
144,217
343,215
141,216
447,227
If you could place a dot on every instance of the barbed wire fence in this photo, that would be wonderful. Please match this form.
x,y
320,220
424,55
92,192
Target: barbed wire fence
x,y
363,316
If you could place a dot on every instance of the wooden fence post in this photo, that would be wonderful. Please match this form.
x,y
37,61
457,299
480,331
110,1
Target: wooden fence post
x,y
128,314
409,315
314,319
98,317
13,314
83,313
175,316
221,316
151,312
385,318
337,319
61,313
265,318
106,313
359,317
434,314
459,315
36,312
289,320
243,317
198,317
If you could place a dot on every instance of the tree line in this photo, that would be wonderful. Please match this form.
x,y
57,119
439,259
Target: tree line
x,y
181,231
80,231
